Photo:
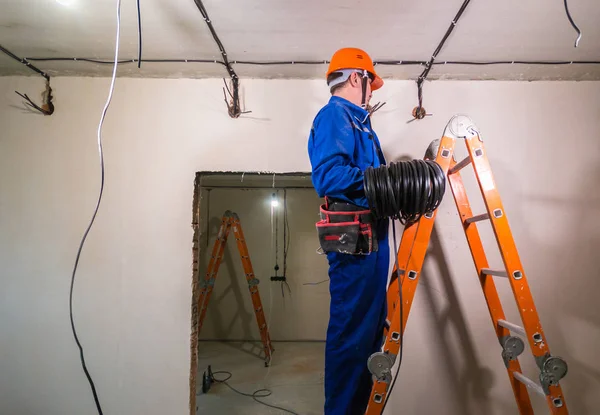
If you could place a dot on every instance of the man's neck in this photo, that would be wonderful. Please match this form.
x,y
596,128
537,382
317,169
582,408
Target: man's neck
x,y
348,96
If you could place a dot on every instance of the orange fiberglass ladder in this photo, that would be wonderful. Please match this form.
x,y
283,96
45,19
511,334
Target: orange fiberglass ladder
x,y
411,254
232,221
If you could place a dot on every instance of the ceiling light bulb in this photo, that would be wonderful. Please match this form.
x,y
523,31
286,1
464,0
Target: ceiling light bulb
x,y
65,2
274,201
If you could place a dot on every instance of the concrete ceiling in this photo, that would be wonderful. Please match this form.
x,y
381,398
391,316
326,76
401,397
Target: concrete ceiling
x,y
274,30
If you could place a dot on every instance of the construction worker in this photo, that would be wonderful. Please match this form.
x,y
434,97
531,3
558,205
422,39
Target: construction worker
x,y
342,144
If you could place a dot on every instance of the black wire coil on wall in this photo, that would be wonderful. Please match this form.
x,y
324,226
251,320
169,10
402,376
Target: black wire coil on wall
x,y
404,190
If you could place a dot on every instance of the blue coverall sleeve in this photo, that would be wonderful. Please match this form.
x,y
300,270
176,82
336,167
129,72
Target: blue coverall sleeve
x,y
332,150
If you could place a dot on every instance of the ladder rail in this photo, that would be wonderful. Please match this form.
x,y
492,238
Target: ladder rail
x,y
252,287
488,286
213,269
393,335
410,257
231,221
512,263
393,298
508,251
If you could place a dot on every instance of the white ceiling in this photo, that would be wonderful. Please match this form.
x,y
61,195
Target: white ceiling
x,y
269,30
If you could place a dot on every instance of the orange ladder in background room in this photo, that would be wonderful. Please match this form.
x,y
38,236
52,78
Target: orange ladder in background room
x,y
411,254
232,221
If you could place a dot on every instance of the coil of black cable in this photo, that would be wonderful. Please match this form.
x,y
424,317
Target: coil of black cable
x,y
404,190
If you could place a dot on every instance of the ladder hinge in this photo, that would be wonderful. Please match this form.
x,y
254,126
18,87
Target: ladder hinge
x,y
512,347
208,283
553,369
380,365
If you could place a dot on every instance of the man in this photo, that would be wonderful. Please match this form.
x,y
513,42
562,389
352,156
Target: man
x,y
342,144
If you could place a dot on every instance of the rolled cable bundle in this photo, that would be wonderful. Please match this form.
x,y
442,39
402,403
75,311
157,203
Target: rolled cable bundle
x,y
404,190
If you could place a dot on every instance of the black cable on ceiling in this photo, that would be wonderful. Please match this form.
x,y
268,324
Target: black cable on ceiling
x,y
139,19
47,107
125,61
419,112
274,63
25,62
502,62
233,108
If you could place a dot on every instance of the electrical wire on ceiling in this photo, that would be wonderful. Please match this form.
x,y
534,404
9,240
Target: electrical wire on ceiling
x,y
101,155
573,24
419,112
274,63
25,62
47,107
139,19
233,105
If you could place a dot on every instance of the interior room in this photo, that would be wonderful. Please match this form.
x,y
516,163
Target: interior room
x,y
137,135
277,214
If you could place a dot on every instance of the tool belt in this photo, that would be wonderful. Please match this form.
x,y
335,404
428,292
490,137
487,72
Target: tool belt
x,y
346,228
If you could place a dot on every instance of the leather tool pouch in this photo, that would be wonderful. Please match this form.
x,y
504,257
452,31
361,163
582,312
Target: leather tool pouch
x,y
346,228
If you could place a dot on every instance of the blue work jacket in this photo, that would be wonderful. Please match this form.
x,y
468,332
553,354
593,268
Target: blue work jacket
x,y
342,144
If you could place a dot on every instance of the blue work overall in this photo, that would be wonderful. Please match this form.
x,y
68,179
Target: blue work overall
x,y
342,144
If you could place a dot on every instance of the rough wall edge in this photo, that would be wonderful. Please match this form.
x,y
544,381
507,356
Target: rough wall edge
x,y
195,293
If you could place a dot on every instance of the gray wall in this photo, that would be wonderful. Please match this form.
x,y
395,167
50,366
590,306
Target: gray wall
x,y
304,314
133,291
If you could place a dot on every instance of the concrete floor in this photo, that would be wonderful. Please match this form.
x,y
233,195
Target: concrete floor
x,y
295,378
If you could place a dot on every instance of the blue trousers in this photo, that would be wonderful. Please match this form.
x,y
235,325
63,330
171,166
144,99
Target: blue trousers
x,y
357,316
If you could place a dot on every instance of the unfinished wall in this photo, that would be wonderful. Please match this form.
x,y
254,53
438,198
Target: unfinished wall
x,y
132,296
299,315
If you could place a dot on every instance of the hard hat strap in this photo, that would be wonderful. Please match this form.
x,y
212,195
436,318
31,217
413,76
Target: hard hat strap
x,y
365,78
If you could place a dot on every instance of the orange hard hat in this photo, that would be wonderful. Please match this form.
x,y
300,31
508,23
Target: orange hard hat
x,y
354,58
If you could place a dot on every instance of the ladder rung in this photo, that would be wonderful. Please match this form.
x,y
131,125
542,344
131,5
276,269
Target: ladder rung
x,y
512,327
458,166
495,272
477,218
529,383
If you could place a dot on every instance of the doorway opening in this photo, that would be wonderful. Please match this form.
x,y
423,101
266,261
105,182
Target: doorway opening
x,y
277,213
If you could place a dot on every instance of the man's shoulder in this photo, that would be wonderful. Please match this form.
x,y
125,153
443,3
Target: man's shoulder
x,y
332,109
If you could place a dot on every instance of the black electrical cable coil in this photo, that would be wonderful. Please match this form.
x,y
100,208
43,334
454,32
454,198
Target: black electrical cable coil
x,y
404,190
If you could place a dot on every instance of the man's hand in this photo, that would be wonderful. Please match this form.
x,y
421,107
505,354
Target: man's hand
x,y
432,150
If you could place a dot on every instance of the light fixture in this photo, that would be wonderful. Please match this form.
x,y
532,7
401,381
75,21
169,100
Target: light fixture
x,y
65,2
274,201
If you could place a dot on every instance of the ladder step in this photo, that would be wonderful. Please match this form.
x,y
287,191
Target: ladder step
x,y
459,166
529,383
512,327
477,218
497,273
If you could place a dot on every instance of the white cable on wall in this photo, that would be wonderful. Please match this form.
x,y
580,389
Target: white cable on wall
x,y
101,155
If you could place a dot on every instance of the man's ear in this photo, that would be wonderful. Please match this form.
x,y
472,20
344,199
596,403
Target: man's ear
x,y
354,79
